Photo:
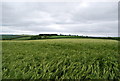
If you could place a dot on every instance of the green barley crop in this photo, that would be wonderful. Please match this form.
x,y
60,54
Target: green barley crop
x,y
60,59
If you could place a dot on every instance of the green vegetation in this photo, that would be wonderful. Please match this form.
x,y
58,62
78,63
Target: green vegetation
x,y
37,37
66,36
10,37
61,59
14,37
23,38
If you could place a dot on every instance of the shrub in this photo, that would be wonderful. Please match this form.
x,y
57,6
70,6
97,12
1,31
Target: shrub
x,y
35,37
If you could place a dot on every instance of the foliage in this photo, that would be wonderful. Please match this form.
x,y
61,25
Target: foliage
x,y
10,37
35,37
15,37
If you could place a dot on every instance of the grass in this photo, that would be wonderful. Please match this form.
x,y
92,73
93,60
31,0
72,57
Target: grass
x,y
15,37
37,37
23,38
55,37
10,36
60,59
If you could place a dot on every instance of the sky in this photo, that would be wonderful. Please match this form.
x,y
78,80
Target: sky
x,y
77,18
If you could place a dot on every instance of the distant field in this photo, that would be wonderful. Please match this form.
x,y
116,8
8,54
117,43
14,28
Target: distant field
x,y
37,37
15,37
10,36
28,37
54,37
60,59
22,38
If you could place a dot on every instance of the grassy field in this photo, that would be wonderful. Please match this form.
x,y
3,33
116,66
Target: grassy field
x,y
10,36
37,37
60,59
15,37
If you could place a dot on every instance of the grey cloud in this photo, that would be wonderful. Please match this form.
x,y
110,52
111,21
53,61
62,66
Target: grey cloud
x,y
97,12
60,17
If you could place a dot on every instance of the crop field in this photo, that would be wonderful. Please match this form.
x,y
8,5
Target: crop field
x,y
60,59
10,36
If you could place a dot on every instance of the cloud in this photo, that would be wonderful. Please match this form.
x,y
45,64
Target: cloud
x,y
87,18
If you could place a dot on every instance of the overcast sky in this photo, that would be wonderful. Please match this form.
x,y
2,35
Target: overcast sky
x,y
82,18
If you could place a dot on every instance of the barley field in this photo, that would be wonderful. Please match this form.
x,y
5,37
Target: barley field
x,y
60,59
